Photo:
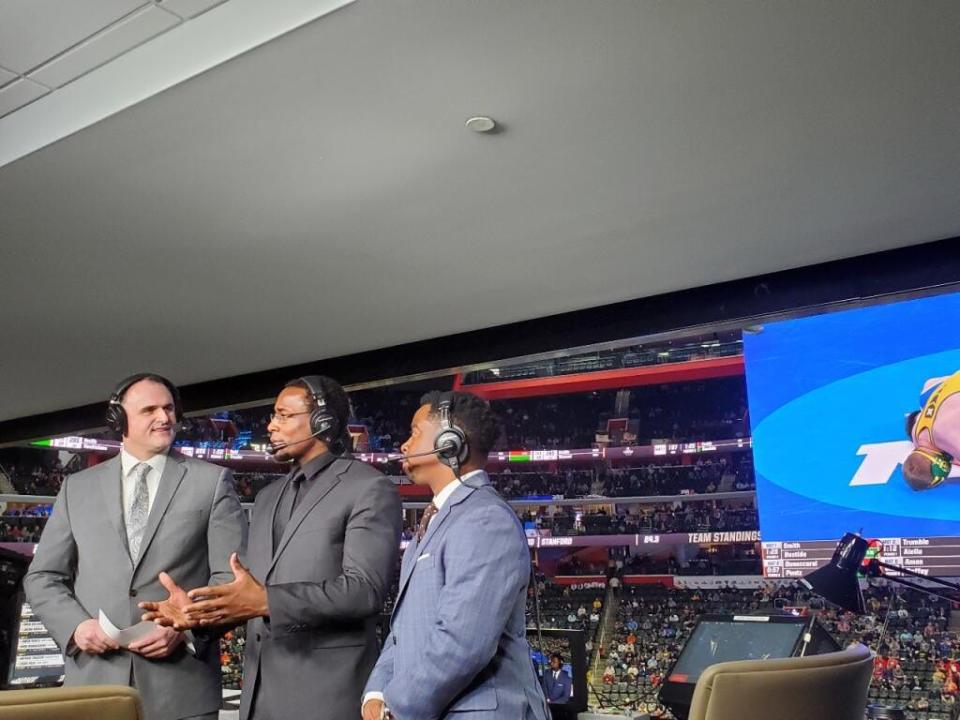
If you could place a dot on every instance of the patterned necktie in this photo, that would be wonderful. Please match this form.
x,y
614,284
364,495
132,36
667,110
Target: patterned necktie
x,y
428,513
139,510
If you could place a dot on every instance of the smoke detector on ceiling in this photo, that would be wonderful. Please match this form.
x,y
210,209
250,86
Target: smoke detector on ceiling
x,y
482,124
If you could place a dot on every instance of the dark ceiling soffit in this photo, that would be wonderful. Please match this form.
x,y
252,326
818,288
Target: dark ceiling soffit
x,y
917,267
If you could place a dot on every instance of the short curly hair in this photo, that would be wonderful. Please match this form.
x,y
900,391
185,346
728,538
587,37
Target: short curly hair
x,y
473,415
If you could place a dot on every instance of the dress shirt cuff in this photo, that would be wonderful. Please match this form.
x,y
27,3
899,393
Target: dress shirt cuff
x,y
372,695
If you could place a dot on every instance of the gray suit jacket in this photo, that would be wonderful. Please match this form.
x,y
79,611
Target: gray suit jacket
x,y
457,639
326,583
82,565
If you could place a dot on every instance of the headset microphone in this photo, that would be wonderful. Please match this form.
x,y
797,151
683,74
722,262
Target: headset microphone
x,y
443,448
274,449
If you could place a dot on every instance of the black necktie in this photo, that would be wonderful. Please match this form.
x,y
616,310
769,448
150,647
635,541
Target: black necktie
x,y
288,503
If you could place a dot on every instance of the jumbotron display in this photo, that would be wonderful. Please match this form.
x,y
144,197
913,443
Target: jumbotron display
x,y
856,427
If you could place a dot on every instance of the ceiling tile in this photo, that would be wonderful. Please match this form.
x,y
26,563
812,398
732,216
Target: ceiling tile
x,y
104,47
32,31
6,76
19,93
189,8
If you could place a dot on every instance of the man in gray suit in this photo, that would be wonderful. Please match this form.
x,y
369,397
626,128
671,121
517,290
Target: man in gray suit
x,y
457,636
114,529
323,549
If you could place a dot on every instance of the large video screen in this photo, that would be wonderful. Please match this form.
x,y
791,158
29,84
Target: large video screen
x,y
831,398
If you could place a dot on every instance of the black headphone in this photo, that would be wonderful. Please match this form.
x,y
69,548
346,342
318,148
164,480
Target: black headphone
x,y
323,423
451,443
117,417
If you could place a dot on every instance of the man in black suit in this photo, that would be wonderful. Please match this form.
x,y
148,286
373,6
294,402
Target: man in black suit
x,y
323,549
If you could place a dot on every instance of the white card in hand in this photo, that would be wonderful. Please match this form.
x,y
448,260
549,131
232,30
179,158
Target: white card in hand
x,y
128,635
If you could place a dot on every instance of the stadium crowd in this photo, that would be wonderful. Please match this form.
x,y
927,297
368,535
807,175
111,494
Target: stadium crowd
x,y
917,666
723,473
674,517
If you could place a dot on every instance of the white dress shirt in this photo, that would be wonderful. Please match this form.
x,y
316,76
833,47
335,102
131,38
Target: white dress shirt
x,y
128,478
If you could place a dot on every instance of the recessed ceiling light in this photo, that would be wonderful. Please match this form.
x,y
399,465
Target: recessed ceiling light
x,y
481,124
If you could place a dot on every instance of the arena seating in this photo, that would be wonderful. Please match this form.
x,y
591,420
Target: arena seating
x,y
917,667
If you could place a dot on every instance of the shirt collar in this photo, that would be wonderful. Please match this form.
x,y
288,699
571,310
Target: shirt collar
x,y
128,462
317,465
441,497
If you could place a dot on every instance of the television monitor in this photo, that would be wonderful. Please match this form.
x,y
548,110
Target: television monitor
x,y
724,638
571,645
830,398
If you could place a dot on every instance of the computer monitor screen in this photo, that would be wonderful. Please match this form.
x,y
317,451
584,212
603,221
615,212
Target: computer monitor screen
x,y
716,641
724,638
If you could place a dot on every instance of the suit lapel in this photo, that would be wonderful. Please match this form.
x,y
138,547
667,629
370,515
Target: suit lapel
x,y
260,542
414,550
327,480
458,496
111,484
406,566
173,473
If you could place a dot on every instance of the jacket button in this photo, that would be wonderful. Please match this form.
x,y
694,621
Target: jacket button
x,y
133,593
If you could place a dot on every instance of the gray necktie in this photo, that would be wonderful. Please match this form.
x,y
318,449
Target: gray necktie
x,y
139,510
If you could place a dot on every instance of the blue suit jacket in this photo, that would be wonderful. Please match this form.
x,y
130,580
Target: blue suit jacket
x,y
457,637
558,691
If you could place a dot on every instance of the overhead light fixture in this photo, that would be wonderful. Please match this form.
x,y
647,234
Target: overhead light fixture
x,y
481,124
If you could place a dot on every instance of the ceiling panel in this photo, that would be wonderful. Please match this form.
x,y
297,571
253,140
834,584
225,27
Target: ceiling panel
x,y
6,76
33,31
189,8
18,93
103,47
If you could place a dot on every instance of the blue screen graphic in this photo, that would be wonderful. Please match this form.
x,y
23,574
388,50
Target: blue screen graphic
x,y
828,400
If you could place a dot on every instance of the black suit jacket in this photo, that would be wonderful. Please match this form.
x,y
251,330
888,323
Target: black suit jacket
x,y
326,583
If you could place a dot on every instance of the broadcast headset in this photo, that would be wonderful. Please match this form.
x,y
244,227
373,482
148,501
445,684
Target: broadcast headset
x,y
116,416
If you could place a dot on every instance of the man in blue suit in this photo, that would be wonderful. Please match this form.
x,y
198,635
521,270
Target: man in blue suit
x,y
556,682
457,637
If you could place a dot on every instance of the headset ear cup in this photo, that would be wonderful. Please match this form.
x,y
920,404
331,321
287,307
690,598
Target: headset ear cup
x,y
451,444
322,425
116,417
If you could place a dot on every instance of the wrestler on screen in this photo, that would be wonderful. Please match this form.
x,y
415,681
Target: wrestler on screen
x,y
935,431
